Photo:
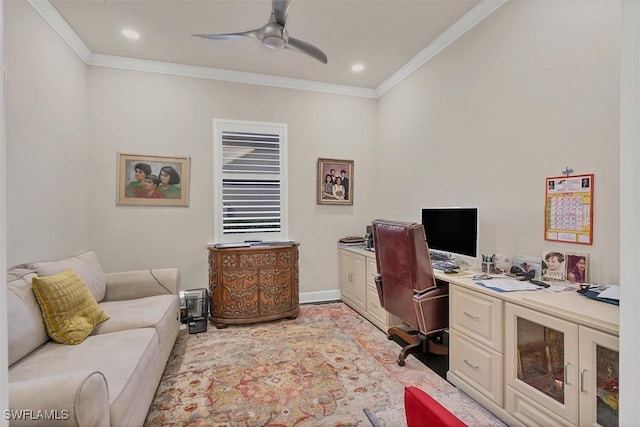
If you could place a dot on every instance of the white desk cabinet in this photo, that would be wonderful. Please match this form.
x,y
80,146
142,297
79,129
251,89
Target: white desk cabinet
x,y
559,372
541,367
534,358
599,363
475,344
358,289
352,279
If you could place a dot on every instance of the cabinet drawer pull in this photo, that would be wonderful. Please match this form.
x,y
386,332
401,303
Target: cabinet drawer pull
x,y
566,369
471,316
582,372
472,367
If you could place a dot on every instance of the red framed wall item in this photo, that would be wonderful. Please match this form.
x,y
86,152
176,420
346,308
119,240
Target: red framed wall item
x,y
568,209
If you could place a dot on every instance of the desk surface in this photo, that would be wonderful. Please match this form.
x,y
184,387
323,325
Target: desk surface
x,y
568,305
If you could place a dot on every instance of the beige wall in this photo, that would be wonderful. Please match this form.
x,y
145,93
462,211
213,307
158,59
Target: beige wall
x,y
506,206
62,189
136,112
482,124
532,89
4,392
48,176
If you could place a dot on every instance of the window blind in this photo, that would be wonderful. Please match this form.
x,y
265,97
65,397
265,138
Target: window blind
x,y
251,182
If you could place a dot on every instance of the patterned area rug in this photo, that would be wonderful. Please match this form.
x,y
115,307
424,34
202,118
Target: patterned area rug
x,y
328,367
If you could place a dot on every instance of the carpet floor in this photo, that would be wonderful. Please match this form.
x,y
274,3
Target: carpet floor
x,y
328,367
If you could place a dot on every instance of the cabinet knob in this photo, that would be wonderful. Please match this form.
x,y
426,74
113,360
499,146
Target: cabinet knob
x,y
582,372
472,366
471,316
566,370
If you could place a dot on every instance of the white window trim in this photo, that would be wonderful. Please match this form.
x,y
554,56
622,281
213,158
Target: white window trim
x,y
257,127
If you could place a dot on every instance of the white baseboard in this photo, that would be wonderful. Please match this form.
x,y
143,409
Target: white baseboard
x,y
322,296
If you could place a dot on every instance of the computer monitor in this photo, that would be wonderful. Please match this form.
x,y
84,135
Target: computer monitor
x,y
452,231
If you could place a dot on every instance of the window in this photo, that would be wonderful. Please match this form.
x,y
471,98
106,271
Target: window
x,y
250,182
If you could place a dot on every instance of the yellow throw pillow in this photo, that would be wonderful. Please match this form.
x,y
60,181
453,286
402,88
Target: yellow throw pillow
x,y
69,309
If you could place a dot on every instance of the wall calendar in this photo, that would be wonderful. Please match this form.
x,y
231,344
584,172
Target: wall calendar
x,y
569,209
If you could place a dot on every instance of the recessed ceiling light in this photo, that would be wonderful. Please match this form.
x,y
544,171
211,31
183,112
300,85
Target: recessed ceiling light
x,y
357,67
131,34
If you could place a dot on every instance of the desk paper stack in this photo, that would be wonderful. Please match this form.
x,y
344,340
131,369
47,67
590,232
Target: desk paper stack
x,y
611,292
508,285
352,240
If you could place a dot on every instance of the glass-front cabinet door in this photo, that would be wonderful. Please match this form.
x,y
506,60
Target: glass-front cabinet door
x,y
599,355
541,367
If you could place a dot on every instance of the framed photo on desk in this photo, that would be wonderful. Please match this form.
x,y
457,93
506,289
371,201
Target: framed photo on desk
x,y
335,182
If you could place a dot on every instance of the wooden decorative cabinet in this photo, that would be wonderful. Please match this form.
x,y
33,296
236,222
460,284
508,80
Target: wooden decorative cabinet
x,y
253,284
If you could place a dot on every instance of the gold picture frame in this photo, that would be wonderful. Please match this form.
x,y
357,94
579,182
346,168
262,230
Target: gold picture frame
x,y
335,182
534,360
150,180
577,266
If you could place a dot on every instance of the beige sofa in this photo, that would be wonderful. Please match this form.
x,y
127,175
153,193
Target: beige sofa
x,y
111,377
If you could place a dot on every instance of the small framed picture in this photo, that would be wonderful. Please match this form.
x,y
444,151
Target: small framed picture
x,y
149,180
577,268
553,265
335,182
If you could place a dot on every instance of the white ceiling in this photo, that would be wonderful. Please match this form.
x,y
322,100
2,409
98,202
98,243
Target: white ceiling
x,y
383,35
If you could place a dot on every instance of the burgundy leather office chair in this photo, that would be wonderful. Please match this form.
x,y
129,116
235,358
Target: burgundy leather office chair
x,y
407,287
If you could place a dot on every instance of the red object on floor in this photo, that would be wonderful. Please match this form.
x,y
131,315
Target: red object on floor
x,y
424,411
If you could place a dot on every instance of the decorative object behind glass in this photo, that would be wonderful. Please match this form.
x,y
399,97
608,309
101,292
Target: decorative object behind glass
x,y
541,358
607,386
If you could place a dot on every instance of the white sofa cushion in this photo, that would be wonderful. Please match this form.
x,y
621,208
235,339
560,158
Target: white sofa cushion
x,y
26,329
161,312
126,359
85,263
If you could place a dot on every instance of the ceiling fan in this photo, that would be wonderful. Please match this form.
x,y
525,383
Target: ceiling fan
x,y
274,34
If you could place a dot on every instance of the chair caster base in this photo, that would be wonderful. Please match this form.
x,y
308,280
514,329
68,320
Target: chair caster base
x,y
400,362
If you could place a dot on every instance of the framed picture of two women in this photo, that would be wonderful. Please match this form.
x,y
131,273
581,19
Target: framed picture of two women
x,y
335,182
149,180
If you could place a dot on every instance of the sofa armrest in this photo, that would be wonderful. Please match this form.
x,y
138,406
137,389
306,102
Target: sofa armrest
x,y
74,399
142,283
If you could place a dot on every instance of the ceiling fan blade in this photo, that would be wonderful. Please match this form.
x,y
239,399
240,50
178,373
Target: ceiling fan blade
x,y
280,10
253,34
309,49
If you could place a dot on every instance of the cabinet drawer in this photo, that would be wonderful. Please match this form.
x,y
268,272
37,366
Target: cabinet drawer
x,y
374,308
529,412
477,315
477,365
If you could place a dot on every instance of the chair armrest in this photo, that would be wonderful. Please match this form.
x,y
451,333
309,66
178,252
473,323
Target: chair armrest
x,y
74,399
142,283
378,281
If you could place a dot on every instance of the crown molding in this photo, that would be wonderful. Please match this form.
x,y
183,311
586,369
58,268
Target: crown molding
x,y
68,34
472,18
60,25
125,63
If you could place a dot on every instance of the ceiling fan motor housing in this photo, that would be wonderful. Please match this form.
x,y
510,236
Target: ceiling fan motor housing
x,y
274,36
